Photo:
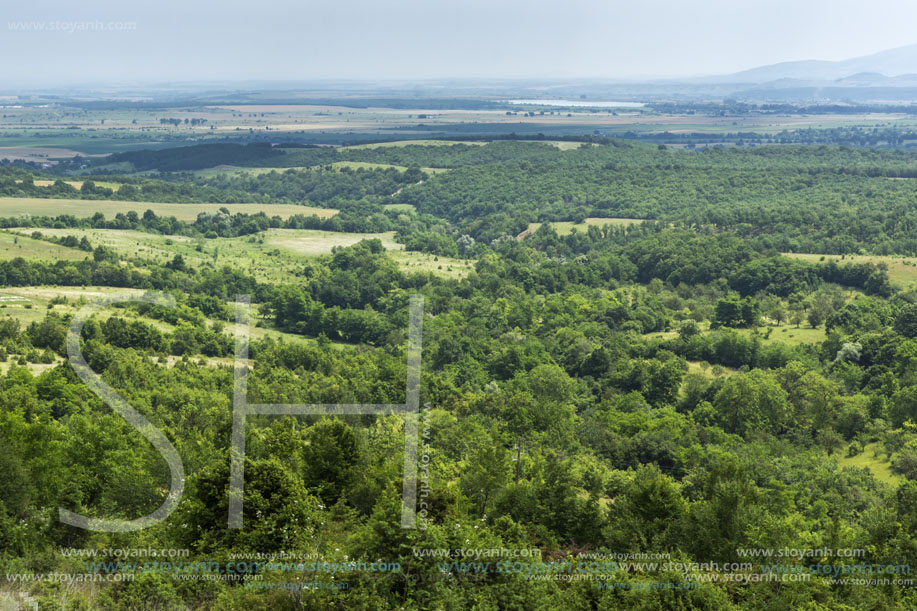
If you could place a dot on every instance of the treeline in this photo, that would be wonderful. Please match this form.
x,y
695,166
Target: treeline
x,y
354,217
420,155
176,122
197,157
886,137
260,154
15,182
45,341
650,251
105,270
322,186
736,108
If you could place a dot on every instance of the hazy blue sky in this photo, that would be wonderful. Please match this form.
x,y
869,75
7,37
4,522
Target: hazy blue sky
x,y
302,39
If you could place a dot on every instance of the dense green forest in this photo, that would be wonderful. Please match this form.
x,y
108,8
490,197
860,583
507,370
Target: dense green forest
x,y
663,407
823,199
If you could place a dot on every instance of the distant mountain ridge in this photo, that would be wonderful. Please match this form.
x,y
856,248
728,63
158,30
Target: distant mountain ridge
x,y
884,67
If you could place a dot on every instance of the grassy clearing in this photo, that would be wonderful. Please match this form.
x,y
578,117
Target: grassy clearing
x,y
788,334
400,207
275,255
42,295
252,254
126,242
310,243
873,458
314,242
565,145
785,334
29,206
24,310
15,245
708,370
31,304
661,335
36,369
221,170
901,270
567,227
366,165
446,267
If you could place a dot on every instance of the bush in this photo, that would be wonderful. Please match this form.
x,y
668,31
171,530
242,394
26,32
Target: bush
x,y
855,449
906,462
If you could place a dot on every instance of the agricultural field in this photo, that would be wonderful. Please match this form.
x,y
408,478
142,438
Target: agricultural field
x,y
21,206
33,153
76,184
42,134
